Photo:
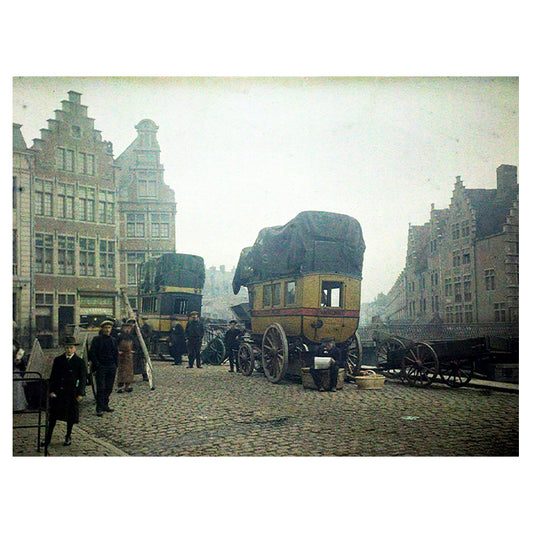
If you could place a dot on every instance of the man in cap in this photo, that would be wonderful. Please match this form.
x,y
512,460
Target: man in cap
x,y
176,341
328,349
194,331
231,343
103,355
67,386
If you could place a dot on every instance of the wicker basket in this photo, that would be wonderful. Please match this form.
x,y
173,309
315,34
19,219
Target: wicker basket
x,y
369,380
308,383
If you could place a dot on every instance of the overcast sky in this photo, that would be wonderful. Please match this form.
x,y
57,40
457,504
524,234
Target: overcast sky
x,y
246,153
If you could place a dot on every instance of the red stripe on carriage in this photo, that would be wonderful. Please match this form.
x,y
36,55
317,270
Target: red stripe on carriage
x,y
306,311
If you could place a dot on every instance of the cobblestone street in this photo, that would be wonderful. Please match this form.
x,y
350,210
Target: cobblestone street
x,y
210,412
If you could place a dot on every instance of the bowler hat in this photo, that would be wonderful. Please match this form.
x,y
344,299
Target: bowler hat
x,y
70,340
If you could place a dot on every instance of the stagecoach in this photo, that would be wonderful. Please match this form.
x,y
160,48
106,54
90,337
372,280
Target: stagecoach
x,y
304,284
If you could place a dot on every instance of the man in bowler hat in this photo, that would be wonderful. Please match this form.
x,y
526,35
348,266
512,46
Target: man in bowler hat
x,y
67,386
103,355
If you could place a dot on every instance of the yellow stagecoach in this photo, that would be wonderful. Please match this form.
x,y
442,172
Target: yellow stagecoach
x,y
304,284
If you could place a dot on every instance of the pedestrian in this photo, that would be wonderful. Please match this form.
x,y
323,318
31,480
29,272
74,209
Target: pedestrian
x,y
328,349
66,388
103,355
177,344
19,366
231,342
194,332
125,358
139,362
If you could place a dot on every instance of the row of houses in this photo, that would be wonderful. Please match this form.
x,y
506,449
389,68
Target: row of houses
x,y
462,265
83,221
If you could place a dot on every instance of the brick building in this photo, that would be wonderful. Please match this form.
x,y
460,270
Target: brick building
x,y
147,206
462,265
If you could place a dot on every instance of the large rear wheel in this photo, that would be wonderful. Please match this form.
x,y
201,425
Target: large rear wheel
x,y
246,359
420,365
354,357
275,353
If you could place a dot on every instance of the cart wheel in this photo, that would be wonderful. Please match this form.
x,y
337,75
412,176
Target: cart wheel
x,y
389,355
420,365
246,359
458,372
354,357
214,353
275,353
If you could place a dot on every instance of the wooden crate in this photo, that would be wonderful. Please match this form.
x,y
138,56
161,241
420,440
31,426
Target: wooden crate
x,y
308,383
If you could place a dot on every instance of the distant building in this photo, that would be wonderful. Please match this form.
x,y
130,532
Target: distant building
x,y
147,207
218,294
71,206
462,265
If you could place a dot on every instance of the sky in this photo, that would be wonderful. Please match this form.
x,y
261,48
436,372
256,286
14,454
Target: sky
x,y
246,153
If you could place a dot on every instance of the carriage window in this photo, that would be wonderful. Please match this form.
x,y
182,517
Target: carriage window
x,y
276,294
267,295
181,307
290,292
149,304
331,294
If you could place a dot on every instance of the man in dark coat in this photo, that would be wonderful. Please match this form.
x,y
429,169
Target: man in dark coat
x,y
176,341
328,349
231,343
194,331
103,355
67,386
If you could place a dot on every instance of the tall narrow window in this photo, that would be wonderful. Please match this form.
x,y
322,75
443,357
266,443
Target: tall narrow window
x,y
107,258
44,251
65,254
87,256
490,279
331,294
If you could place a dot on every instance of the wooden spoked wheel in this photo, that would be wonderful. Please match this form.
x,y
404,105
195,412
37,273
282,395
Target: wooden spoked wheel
x,y
275,353
246,359
214,353
389,355
458,372
420,365
354,357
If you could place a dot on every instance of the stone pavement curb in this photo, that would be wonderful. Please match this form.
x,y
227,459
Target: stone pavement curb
x,y
113,450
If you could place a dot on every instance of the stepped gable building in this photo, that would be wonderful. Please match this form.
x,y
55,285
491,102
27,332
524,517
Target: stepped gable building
x,y
147,206
73,218
462,265
23,163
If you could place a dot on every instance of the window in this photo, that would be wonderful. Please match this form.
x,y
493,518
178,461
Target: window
x,y
44,252
448,287
87,256
76,132
65,159
267,295
15,190
469,316
106,207
86,197
133,262
435,304
455,231
160,225
465,228
135,225
466,257
331,294
86,163
449,314
66,299
107,258
15,251
276,294
422,283
458,314
456,258
65,200
499,312
290,292
43,197
433,245
181,306
149,304
65,254
467,287
490,282
457,289
147,186
43,311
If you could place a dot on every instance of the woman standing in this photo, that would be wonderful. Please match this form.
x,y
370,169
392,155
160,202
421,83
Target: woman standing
x,y
125,375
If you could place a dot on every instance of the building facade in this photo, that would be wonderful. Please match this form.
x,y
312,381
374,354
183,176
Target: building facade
x,y
147,207
218,294
462,265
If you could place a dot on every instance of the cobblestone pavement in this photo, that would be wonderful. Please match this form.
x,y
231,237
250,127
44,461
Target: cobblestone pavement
x,y
210,412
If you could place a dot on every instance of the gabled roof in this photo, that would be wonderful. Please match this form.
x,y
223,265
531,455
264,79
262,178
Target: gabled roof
x,y
18,138
491,210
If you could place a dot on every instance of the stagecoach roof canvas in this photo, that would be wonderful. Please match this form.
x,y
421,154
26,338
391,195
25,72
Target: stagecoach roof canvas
x,y
313,241
172,270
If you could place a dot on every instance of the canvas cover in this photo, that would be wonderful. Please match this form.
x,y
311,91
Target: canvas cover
x,y
313,241
172,270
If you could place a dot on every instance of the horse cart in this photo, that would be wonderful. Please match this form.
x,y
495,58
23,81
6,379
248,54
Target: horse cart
x,y
453,360
304,284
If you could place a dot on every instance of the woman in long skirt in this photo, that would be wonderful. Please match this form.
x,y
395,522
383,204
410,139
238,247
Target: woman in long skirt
x,y
125,359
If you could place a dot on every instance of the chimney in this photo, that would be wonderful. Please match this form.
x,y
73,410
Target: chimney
x,y
506,179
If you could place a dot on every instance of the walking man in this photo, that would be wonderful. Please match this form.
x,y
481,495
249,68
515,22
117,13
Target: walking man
x,y
103,355
194,332
231,342
67,386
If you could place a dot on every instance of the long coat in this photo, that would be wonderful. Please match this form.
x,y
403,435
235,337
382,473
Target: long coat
x,y
125,358
67,381
176,340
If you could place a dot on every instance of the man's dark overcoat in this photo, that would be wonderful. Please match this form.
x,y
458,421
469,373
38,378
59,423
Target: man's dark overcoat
x,y
67,380
176,340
